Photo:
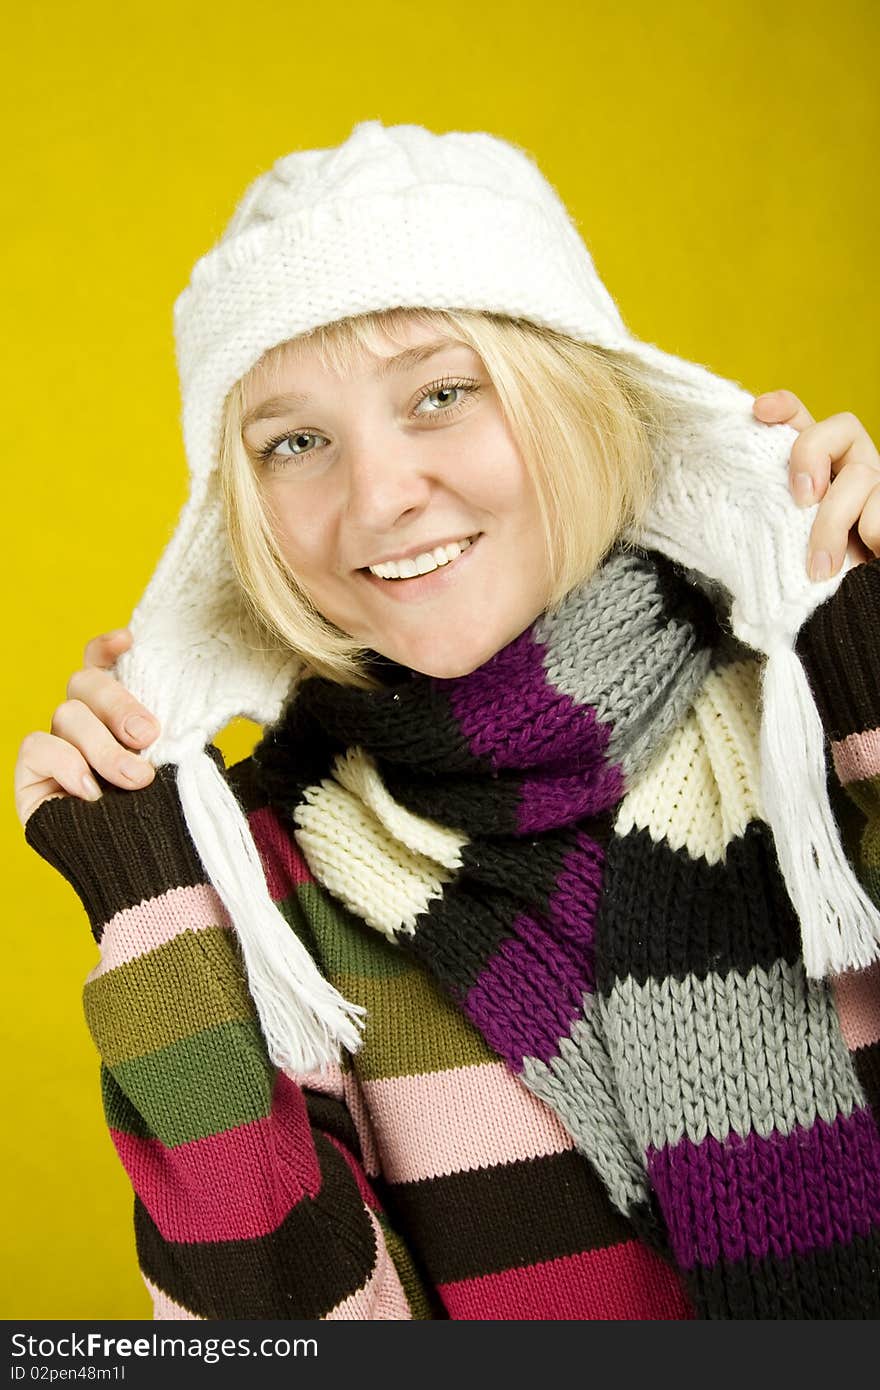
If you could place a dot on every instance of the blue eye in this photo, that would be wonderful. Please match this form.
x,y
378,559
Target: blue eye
x,y
275,455
272,448
464,388
302,434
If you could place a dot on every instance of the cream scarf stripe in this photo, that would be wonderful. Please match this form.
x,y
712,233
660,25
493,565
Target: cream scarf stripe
x,y
379,859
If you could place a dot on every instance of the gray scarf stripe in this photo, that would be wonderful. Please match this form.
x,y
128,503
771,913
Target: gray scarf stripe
x,y
603,649
580,1086
761,1053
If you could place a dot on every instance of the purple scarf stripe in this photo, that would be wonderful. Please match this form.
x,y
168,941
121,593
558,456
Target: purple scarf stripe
x,y
574,903
546,802
784,1195
513,718
531,991
529,994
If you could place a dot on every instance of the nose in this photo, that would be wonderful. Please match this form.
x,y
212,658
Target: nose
x,y
386,481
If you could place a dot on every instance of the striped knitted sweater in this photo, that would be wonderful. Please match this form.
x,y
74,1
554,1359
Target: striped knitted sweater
x,y
421,1178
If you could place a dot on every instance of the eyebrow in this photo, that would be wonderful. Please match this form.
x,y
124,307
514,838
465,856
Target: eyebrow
x,y
276,406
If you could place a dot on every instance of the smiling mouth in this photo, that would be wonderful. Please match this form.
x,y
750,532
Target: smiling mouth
x,y
433,583
418,565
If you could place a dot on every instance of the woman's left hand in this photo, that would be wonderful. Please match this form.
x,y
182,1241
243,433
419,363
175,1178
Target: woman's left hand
x,y
835,463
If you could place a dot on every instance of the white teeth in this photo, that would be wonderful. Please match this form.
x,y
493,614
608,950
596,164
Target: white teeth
x,y
421,564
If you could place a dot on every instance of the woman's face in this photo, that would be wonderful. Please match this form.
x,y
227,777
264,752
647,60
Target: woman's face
x,y
409,454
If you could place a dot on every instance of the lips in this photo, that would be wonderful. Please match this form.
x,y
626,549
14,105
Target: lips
x,y
425,586
425,548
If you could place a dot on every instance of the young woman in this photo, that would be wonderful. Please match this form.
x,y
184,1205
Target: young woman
x,y
521,971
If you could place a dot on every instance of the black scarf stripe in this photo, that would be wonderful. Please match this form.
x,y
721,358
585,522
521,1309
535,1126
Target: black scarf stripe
x,y
699,917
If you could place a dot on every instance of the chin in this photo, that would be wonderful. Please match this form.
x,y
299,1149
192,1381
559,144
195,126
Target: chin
x,y
447,665
447,671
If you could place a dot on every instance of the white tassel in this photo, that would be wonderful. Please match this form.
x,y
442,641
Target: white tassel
x,y
840,925
304,1018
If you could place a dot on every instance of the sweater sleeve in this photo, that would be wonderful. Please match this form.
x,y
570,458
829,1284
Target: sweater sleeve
x,y
840,649
251,1200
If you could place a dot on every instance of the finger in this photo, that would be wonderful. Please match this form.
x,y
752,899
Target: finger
x,y
869,522
76,723
782,408
103,651
49,766
825,449
842,507
857,552
122,714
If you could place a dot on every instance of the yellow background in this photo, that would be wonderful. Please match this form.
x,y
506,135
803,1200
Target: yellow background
x,y
721,161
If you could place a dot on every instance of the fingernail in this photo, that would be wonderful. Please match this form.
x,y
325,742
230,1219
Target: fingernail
x,y
138,726
820,567
133,768
90,787
803,488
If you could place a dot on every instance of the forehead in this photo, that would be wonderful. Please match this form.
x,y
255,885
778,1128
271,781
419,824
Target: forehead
x,y
367,348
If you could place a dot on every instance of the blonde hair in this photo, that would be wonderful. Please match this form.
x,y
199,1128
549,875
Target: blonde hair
x,y
584,420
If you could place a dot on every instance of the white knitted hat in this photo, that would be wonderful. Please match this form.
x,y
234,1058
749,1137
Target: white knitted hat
x,y
400,216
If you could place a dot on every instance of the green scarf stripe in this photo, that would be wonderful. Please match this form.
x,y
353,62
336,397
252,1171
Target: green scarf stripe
x,y
292,911
346,944
119,1112
411,1027
177,1091
401,1258
728,1054
302,909
866,795
126,1009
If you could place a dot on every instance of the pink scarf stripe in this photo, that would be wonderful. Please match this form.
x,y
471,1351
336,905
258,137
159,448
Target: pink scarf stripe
x,y
857,757
164,1307
225,1187
136,931
469,1117
620,1283
857,997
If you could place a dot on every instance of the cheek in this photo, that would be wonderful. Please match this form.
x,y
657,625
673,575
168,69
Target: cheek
x,y
499,478
302,533
506,492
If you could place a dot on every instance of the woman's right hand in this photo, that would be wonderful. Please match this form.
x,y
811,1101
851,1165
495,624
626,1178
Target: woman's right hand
x,y
91,730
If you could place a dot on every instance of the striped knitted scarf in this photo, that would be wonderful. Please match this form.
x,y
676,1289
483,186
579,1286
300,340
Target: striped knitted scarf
x,y
657,1005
